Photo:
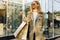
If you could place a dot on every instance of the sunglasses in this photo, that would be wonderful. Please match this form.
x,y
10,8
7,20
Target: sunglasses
x,y
33,4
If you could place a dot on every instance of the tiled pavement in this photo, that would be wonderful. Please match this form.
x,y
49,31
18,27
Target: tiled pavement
x,y
57,39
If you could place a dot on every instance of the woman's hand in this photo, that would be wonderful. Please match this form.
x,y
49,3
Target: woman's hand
x,y
26,19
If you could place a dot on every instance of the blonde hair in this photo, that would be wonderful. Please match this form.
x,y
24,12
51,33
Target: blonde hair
x,y
38,9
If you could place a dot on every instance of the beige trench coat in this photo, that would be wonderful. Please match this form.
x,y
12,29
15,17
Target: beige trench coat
x,y
38,26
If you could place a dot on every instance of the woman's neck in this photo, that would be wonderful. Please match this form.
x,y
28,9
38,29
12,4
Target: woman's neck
x,y
35,10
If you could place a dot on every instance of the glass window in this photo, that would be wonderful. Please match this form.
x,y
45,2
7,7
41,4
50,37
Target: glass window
x,y
56,18
10,17
15,16
2,18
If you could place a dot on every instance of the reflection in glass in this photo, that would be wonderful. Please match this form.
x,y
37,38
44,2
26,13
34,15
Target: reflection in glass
x,y
57,23
9,24
48,25
15,16
2,18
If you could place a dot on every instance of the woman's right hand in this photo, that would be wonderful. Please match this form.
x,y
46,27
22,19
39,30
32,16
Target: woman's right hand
x,y
26,19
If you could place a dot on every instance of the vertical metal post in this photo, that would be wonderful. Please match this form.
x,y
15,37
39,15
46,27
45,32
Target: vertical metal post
x,y
53,17
45,5
23,9
6,17
48,18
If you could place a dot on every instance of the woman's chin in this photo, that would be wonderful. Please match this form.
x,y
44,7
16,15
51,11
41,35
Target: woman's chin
x,y
33,8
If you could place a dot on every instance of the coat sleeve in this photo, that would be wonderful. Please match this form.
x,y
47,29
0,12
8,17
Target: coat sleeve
x,y
29,16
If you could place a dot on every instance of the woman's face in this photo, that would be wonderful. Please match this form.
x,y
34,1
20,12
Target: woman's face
x,y
35,5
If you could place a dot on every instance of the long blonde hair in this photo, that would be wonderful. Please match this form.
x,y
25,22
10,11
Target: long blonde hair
x,y
38,9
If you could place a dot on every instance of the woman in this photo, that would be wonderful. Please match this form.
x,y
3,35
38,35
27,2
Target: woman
x,y
35,19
